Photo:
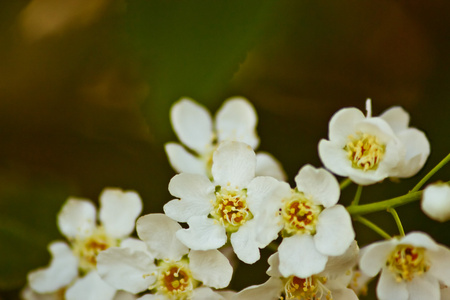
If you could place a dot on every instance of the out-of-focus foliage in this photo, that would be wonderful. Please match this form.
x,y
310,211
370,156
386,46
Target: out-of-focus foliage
x,y
27,222
86,87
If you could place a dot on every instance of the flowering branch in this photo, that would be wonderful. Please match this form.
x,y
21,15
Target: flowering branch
x,y
385,204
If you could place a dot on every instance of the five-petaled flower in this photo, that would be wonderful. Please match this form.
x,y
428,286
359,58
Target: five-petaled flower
x,y
412,267
235,121
365,149
228,207
72,270
331,283
164,266
312,224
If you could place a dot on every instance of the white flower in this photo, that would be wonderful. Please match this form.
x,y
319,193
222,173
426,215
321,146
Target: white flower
x,y
235,121
314,227
28,294
329,284
73,265
414,142
227,208
366,149
360,280
436,201
163,265
412,267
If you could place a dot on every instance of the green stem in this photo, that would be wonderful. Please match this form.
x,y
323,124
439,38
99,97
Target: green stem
x,y
397,220
373,226
431,173
345,183
357,195
384,205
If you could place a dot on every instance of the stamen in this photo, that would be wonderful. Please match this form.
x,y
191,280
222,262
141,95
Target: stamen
x,y
87,248
175,280
407,261
311,288
230,208
299,215
364,151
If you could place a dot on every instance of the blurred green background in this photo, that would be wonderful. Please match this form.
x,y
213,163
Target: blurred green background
x,y
86,87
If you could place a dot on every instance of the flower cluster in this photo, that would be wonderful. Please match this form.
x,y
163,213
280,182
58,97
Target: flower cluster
x,y
72,273
229,197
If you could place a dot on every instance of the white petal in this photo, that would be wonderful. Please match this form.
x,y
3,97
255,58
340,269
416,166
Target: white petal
x,y
334,231
192,123
153,297
234,164
375,256
244,243
126,269
388,288
118,211
445,293
334,157
337,265
227,294
274,263
205,293
440,264
269,290
397,118
158,231
417,149
203,234
344,294
299,257
28,294
182,161
436,201
264,196
419,239
342,124
423,287
134,244
319,185
122,295
90,287
265,193
196,193
182,210
267,165
236,121
77,218
211,267
62,270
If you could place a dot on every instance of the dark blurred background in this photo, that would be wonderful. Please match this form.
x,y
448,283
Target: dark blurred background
x,y
86,87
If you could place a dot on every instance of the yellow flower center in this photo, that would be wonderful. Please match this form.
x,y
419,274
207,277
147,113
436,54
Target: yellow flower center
x,y
311,288
230,208
87,248
299,215
407,261
364,151
174,280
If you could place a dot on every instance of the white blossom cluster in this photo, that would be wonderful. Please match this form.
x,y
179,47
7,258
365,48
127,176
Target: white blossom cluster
x,y
226,195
